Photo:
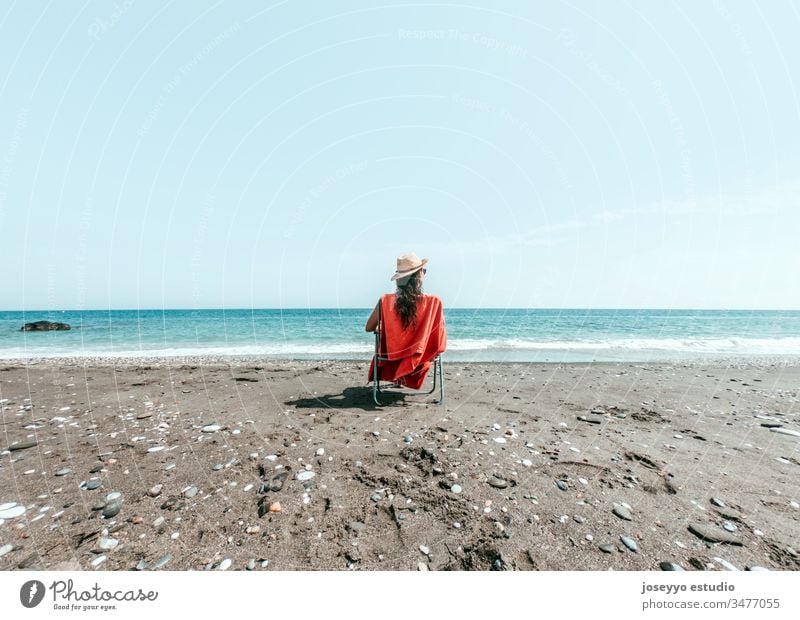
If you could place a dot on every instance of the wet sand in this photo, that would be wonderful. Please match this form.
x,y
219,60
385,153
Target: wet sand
x,y
524,467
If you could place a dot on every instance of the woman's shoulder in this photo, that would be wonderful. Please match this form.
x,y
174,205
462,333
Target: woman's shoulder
x,y
431,298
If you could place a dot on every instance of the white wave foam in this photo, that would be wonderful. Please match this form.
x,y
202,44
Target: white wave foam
x,y
707,346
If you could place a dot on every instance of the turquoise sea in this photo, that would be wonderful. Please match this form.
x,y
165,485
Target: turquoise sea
x,y
473,334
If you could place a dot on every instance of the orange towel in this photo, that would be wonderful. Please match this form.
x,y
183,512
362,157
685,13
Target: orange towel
x,y
411,350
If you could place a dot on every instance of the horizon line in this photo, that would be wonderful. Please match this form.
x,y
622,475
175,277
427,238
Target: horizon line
x,y
367,308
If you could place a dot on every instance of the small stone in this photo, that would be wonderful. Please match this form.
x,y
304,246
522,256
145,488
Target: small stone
x,y
376,497
408,439
253,529
155,449
114,496
305,475
22,446
211,428
136,520
63,471
112,509
158,522
717,502
607,548
629,543
757,568
579,519
497,483
107,544
320,452
251,564
782,431
562,484
422,566
6,549
622,512
794,504
713,534
670,566
725,564
456,488
91,485
141,565
275,507
216,467
500,440
190,491
98,560
425,550
225,564
163,561
729,527
11,511
155,491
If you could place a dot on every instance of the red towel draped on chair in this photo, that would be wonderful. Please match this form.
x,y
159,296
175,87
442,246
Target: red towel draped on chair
x,y
410,350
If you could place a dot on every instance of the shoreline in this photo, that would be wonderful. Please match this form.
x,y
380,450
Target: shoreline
x,y
787,361
524,467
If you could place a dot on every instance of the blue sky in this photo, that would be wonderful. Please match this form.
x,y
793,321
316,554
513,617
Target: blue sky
x,y
588,154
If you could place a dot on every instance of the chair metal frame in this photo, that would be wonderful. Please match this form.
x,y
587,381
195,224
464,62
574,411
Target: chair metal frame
x,y
376,387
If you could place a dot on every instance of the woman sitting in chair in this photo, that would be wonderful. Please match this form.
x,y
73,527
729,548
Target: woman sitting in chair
x,y
410,327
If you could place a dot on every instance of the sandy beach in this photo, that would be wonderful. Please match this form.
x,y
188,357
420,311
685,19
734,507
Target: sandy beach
x,y
246,465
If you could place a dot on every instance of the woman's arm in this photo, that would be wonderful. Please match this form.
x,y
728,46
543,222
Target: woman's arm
x,y
372,321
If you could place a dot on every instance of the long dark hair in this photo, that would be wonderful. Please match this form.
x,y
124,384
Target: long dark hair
x,y
408,295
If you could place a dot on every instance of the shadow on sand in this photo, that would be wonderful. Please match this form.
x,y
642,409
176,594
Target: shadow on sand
x,y
351,398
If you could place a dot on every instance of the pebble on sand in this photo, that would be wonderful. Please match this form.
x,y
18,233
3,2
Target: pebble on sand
x,y
275,507
11,510
629,543
211,428
709,533
622,512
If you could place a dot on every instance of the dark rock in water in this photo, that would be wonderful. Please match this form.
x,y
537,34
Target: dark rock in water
x,y
44,326
709,533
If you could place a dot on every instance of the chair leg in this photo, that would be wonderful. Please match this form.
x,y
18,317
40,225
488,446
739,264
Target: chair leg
x,y
376,384
441,382
435,364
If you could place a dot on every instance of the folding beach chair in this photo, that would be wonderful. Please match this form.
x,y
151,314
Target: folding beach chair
x,y
380,357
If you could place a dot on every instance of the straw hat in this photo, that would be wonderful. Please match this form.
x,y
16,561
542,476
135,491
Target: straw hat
x,y
408,264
